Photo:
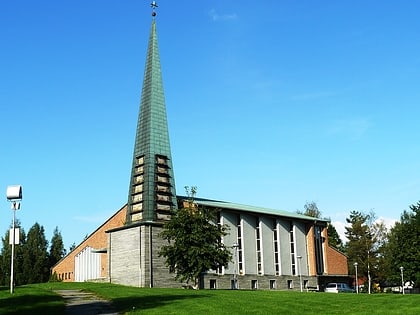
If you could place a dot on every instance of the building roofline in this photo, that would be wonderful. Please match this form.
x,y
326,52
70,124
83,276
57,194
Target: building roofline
x,y
88,236
252,209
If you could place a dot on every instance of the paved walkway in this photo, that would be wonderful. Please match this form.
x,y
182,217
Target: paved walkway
x,y
85,303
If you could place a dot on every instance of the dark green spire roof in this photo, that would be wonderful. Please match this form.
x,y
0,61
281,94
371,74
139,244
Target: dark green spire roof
x,y
152,186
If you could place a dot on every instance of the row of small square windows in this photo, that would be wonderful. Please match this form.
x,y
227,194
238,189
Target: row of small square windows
x,y
254,284
65,276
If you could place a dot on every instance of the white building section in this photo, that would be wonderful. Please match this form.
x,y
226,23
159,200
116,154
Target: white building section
x,y
87,265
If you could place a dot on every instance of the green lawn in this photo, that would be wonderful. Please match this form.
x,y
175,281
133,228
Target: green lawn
x,y
40,299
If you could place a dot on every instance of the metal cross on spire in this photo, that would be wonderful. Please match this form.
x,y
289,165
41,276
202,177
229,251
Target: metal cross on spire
x,y
154,6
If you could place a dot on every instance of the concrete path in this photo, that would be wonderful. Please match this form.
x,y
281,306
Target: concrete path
x,y
85,303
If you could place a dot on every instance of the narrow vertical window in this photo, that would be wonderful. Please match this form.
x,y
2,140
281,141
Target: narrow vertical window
x,y
292,248
220,269
276,247
213,284
319,257
239,240
273,284
258,245
254,284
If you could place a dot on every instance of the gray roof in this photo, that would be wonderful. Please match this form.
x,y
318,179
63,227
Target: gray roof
x,y
253,209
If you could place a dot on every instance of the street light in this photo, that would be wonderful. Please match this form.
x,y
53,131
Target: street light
x,y
14,195
402,279
357,280
235,274
300,272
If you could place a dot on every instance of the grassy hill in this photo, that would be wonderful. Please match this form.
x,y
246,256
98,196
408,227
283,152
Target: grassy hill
x,y
41,299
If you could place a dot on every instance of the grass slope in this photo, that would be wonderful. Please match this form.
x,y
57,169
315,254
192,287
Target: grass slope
x,y
40,299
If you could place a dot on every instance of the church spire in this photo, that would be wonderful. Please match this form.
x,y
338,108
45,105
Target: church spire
x,y
152,194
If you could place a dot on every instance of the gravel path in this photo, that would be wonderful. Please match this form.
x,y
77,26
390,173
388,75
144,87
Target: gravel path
x,y
85,303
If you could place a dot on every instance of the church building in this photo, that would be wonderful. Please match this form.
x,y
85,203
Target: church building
x,y
271,249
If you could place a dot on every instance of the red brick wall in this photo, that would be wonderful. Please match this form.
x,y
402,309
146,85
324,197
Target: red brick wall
x,y
336,262
311,251
97,240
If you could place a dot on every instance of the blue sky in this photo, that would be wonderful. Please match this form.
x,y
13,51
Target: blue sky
x,y
272,103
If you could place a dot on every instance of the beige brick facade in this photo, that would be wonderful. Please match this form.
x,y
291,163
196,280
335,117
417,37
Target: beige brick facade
x,y
98,240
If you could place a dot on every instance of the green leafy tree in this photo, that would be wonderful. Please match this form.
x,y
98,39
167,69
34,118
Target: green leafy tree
x,y
403,247
57,250
194,242
35,255
6,253
311,210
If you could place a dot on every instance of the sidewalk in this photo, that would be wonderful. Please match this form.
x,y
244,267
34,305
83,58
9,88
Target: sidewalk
x,y
85,303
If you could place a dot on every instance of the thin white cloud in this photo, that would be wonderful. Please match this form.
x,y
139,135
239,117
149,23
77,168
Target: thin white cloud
x,y
351,128
389,222
215,16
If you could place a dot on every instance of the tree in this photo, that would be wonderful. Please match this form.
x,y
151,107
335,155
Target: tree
x,y
364,237
334,239
6,254
311,210
403,247
72,247
57,250
35,255
194,242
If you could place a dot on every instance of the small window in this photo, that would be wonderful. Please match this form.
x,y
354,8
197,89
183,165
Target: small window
x,y
273,284
234,284
305,284
254,284
213,284
290,284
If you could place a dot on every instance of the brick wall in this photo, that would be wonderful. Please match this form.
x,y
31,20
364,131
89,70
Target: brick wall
x,y
311,251
97,240
336,262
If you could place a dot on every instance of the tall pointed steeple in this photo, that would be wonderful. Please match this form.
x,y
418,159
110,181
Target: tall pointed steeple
x,y
152,193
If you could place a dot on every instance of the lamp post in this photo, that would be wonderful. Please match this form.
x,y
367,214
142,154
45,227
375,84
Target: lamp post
x,y
357,280
235,274
402,279
300,272
14,195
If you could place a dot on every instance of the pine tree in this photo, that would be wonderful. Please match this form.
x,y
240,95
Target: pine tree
x,y
5,258
57,250
361,247
334,239
35,256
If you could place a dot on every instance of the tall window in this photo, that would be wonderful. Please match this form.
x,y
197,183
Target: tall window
x,y
292,248
220,269
258,244
276,247
319,257
239,241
